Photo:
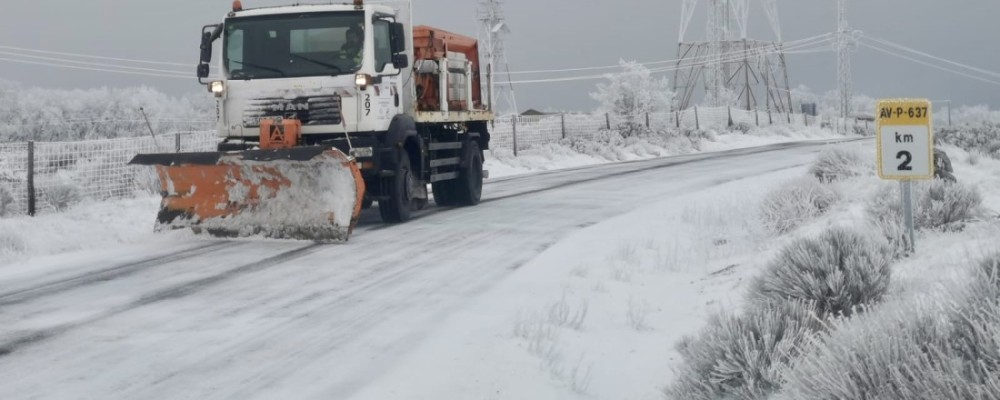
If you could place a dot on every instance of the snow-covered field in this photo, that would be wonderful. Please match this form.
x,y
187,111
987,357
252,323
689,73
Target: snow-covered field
x,y
100,224
609,148
577,286
181,317
599,314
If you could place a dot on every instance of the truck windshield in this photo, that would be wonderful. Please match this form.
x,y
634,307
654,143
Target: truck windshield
x,y
294,45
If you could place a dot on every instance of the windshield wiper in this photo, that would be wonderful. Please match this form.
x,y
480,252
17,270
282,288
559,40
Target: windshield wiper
x,y
260,67
318,62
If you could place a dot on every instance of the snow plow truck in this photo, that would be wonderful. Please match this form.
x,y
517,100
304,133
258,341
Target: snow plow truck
x,y
322,111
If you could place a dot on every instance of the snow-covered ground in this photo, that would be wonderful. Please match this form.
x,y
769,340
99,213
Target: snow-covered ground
x,y
481,302
100,224
608,148
598,315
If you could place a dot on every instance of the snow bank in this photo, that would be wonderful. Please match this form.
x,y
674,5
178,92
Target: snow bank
x,y
85,226
596,315
610,147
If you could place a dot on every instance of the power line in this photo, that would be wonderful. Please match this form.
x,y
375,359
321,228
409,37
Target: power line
x,y
870,46
914,51
791,43
708,61
93,56
93,64
94,68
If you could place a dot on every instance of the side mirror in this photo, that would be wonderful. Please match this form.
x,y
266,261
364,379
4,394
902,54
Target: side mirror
x,y
398,35
207,37
203,71
400,61
206,47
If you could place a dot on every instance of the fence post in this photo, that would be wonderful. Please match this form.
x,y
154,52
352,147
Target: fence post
x,y
949,113
770,121
647,120
789,117
729,110
805,119
31,178
697,124
563,125
607,118
677,117
177,142
756,117
513,123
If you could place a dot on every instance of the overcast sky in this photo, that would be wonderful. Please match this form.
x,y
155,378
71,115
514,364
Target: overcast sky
x,y
546,34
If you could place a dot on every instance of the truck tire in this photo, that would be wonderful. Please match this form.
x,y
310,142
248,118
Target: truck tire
x,y
444,193
397,207
469,185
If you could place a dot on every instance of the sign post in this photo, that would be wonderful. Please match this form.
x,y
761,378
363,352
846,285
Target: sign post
x,y
905,143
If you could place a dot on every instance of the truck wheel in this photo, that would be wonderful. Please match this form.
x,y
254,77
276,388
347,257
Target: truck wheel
x,y
469,186
444,193
396,208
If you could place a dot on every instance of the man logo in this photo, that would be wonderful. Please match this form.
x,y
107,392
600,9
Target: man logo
x,y
289,106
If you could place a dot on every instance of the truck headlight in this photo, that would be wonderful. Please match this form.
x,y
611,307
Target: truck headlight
x,y
363,80
359,152
217,88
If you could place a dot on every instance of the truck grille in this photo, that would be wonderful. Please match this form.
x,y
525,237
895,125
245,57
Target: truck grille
x,y
317,110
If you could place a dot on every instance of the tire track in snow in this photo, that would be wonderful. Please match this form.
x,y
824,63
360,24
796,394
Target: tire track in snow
x,y
107,274
20,341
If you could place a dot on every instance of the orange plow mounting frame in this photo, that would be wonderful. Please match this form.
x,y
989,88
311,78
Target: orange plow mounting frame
x,y
312,193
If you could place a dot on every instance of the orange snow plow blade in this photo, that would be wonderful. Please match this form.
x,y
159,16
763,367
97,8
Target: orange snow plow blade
x,y
312,193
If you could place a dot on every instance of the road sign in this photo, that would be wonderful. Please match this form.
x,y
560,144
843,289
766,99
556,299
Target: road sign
x,y
905,140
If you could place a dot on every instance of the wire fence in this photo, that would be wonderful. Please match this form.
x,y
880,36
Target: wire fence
x,y
524,132
37,177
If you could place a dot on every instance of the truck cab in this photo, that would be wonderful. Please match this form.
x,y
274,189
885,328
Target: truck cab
x,y
350,78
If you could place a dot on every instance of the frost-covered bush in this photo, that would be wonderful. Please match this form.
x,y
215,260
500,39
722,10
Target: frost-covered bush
x,y
981,137
976,322
62,193
797,201
923,350
837,272
840,163
6,201
741,356
742,127
632,94
63,115
945,205
938,205
902,353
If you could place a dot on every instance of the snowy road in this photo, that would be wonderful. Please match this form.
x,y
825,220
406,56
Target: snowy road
x,y
202,319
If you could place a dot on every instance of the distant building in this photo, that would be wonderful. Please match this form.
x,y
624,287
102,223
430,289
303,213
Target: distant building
x,y
533,112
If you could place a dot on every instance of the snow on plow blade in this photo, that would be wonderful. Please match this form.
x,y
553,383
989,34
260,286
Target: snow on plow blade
x,y
312,193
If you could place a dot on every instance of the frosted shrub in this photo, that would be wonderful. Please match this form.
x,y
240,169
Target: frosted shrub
x,y
976,322
901,353
982,137
926,350
840,163
742,127
6,202
794,203
630,95
63,195
938,205
836,272
741,356
945,205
